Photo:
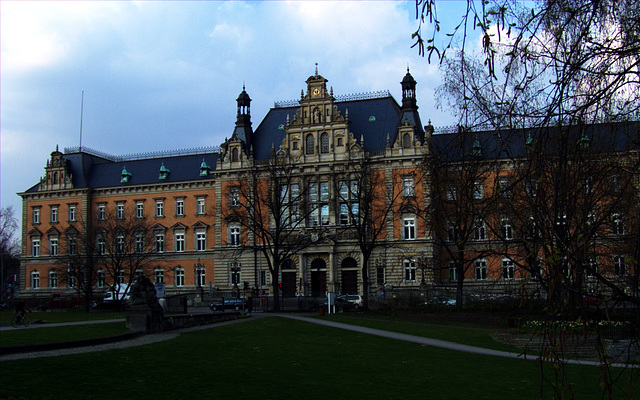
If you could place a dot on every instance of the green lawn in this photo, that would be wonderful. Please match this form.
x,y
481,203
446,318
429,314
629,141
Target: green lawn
x,y
16,337
47,317
277,358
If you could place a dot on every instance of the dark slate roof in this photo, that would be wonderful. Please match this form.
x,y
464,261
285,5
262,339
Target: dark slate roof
x,y
96,172
609,137
385,110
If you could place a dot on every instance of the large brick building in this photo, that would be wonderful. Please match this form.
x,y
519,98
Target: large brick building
x,y
182,207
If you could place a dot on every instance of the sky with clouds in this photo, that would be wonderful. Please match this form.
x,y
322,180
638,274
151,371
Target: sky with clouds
x,y
165,75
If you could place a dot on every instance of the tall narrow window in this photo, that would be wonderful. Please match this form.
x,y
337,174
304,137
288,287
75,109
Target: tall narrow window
x,y
201,241
324,142
53,279
410,270
179,240
180,207
72,212
619,265
35,246
120,211
200,276
35,216
102,212
200,206
35,280
179,275
234,197
139,209
508,269
478,190
158,274
159,241
234,235
408,187
159,208
479,231
101,278
309,144
409,231
481,269
54,214
53,245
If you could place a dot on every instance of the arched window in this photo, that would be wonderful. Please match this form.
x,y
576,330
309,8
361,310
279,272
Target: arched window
x,y
234,155
309,142
406,141
324,142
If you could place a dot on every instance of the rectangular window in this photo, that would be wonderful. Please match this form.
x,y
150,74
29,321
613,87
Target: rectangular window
x,y
35,280
478,190
508,269
120,211
324,191
139,209
479,231
200,276
72,244
201,241
35,247
410,270
234,235
139,243
453,272
234,197
35,217
120,244
263,278
313,193
408,189
72,212
179,277
158,275
619,265
159,208
179,241
180,207
200,205
53,279
102,212
53,246
452,232
409,231
481,269
71,275
504,188
234,269
101,245
507,229
101,278
617,224
380,276
54,214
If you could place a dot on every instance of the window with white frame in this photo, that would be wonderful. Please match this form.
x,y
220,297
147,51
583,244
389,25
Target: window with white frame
x,y
478,190
72,212
508,269
158,275
201,240
234,272
54,214
53,245
179,206
619,265
139,242
120,245
408,188
617,224
318,199
101,244
479,230
159,242
120,277
409,228
451,231
179,240
139,209
410,270
159,208
120,210
507,229
179,276
481,269
453,271
200,205
101,278
72,244
71,275
200,276
53,279
102,212
35,215
35,246
234,197
348,197
234,235
35,279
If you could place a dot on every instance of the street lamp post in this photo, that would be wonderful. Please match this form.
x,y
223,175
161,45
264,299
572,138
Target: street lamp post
x,y
198,270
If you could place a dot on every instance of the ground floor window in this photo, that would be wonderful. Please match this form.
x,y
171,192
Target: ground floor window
x,y
481,269
35,280
410,270
508,269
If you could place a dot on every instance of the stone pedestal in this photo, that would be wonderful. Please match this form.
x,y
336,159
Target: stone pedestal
x,y
142,318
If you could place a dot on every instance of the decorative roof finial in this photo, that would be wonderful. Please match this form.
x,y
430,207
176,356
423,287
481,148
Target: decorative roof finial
x,y
316,69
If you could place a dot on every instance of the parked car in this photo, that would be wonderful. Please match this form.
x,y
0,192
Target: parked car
x,y
233,303
122,292
354,299
442,301
591,298
341,305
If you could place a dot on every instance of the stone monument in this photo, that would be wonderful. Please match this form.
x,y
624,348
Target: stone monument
x,y
144,312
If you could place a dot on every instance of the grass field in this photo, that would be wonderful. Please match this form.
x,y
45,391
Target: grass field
x,y
44,317
277,358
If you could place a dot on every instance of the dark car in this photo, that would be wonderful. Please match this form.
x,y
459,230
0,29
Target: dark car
x,y
229,304
341,305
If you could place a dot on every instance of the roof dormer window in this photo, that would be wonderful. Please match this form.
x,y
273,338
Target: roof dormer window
x,y
125,175
164,172
204,168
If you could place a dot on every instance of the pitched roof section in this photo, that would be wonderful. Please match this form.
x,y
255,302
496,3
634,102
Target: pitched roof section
x,y
371,119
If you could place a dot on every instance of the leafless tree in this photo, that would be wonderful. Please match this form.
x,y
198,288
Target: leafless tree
x,y
9,247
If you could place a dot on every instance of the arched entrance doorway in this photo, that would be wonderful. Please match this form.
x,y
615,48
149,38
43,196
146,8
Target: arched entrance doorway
x,y
318,277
